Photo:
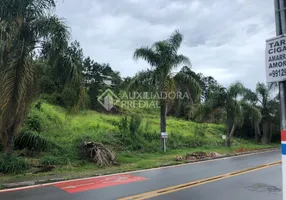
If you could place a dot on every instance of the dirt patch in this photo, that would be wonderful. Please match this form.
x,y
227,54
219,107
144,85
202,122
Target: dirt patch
x,y
197,156
240,150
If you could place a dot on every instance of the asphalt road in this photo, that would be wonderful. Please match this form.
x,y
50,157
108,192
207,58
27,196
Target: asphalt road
x,y
217,183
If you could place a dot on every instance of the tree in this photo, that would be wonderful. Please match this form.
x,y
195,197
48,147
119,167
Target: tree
x,y
65,67
125,82
163,58
251,112
235,108
24,24
269,108
95,75
186,82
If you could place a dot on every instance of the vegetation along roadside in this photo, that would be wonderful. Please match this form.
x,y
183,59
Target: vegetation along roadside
x,y
64,114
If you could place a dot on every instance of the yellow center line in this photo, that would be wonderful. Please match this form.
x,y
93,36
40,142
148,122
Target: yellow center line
x,y
176,188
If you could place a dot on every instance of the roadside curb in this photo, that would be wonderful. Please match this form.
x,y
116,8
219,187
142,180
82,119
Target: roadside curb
x,y
45,181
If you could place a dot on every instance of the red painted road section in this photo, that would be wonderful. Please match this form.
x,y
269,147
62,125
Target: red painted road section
x,y
96,183
283,135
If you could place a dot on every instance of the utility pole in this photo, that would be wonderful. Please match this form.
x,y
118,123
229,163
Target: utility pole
x,y
281,30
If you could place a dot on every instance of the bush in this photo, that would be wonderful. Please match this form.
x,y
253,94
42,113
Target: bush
x,y
175,140
195,141
200,130
47,85
32,141
33,123
51,160
68,97
54,98
12,164
135,123
131,135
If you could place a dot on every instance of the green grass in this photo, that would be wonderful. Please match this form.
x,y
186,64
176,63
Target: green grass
x,y
62,128
130,161
66,130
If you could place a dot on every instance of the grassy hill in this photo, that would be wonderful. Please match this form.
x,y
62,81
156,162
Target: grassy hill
x,y
135,140
55,124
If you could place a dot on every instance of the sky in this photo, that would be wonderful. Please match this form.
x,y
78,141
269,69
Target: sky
x,y
224,39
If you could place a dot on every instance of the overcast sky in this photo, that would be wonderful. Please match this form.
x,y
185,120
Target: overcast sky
x,y
223,38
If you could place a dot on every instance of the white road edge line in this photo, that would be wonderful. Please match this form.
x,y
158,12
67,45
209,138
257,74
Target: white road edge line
x,y
131,172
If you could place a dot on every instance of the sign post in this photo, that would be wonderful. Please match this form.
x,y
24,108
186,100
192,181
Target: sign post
x,y
164,135
276,72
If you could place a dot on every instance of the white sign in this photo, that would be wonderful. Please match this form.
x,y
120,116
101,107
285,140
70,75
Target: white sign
x,y
164,135
275,56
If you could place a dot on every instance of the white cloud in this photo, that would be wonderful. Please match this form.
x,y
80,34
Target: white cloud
x,y
223,39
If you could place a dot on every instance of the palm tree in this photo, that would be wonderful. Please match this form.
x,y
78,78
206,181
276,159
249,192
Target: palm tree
x,y
24,24
228,99
187,81
269,108
163,58
251,111
235,108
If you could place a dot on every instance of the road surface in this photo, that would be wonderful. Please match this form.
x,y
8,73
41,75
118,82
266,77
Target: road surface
x,y
256,176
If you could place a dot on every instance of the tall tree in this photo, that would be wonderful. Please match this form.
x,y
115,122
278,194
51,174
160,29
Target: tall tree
x,y
163,57
24,24
251,112
65,64
187,82
269,108
235,108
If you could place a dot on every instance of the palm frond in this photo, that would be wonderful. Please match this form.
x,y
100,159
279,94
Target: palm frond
x,y
261,89
235,89
188,83
16,91
237,113
249,96
144,80
11,9
181,59
252,112
175,40
55,30
273,86
148,55
32,141
169,85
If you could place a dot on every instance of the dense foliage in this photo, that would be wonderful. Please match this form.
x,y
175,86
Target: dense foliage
x,y
39,64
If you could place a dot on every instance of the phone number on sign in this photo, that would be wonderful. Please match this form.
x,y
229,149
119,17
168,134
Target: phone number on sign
x,y
278,72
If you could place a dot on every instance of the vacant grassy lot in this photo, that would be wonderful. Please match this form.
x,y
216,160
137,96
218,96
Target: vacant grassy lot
x,y
136,148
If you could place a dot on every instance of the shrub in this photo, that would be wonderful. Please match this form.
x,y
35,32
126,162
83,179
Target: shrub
x,y
12,164
200,130
135,123
33,123
32,141
54,98
68,97
195,141
175,140
47,85
51,160
130,134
